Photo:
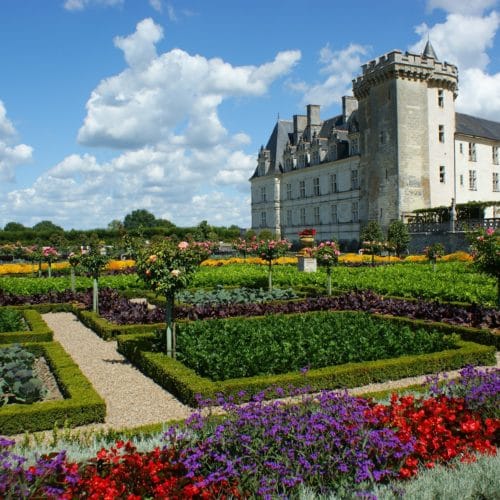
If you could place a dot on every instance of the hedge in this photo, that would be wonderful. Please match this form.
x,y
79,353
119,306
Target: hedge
x,y
185,384
38,332
108,330
82,405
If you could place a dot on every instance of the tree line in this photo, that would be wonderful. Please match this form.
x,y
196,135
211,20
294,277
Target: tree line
x,y
138,223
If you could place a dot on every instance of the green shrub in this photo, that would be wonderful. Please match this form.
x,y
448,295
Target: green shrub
x,y
38,330
237,347
11,320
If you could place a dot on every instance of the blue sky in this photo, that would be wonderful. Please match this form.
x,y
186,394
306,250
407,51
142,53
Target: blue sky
x,y
107,106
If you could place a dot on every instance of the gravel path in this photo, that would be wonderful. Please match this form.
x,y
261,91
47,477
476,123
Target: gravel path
x,y
132,399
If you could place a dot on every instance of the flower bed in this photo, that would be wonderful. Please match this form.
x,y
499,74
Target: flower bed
x,y
331,444
82,405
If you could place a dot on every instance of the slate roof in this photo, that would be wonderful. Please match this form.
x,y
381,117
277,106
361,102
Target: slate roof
x,y
282,133
478,127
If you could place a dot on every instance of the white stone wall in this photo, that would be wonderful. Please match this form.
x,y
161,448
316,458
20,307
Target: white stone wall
x,y
315,210
483,167
441,154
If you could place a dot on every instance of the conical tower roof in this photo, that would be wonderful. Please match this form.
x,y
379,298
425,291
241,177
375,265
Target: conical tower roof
x,y
429,51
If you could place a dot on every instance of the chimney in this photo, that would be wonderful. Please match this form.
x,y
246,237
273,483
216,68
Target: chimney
x,y
299,125
313,119
349,104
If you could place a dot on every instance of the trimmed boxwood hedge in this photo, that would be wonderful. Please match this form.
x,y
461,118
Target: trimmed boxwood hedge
x,y
82,405
39,330
108,330
185,384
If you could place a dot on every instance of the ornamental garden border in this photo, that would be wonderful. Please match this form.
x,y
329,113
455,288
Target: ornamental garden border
x,y
39,330
82,404
185,384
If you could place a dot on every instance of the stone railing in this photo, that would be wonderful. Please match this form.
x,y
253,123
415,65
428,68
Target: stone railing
x,y
460,226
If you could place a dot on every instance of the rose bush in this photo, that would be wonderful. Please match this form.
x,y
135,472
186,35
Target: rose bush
x,y
167,267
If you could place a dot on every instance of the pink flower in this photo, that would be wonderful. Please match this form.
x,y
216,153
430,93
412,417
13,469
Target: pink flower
x,y
175,273
490,231
183,245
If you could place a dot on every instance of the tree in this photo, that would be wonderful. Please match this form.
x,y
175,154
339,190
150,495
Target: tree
x,y
47,226
372,232
398,237
115,225
371,239
486,254
14,226
139,218
167,267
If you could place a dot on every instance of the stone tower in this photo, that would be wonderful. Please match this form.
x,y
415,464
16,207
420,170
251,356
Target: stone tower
x,y
406,116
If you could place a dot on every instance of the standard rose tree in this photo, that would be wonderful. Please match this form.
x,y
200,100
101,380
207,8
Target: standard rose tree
x,y
167,267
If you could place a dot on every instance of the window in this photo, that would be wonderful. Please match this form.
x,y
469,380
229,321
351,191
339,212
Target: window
x,y
316,215
442,177
333,183
302,216
302,189
461,180
472,151
355,211
354,179
472,180
495,181
441,133
263,194
461,148
315,157
288,217
288,191
263,219
334,214
316,186
494,154
441,98
381,137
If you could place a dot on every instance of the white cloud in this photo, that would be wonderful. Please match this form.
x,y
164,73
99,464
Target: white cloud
x,y
467,7
81,192
175,156
171,13
74,5
11,155
339,66
464,39
156,4
170,97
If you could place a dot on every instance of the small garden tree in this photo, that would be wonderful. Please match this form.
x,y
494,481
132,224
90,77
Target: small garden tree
x,y
434,252
327,255
94,261
486,254
398,237
50,254
167,267
74,258
371,239
269,250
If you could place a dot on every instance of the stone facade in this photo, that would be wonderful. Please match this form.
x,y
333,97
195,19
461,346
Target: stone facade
x,y
398,146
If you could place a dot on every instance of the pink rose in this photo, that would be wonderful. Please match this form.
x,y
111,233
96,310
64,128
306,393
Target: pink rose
x,y
183,245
